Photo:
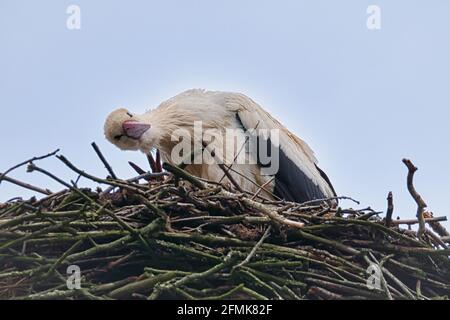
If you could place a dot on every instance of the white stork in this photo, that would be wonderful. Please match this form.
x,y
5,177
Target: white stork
x,y
298,177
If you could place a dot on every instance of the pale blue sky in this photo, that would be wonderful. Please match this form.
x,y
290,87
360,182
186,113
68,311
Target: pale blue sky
x,y
362,99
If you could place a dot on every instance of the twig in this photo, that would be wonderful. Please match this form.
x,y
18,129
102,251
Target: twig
x,y
383,280
223,168
435,225
143,286
116,183
26,185
272,214
390,209
421,205
193,277
146,176
262,188
306,203
255,184
102,158
27,161
32,167
254,249
415,221
323,293
238,153
183,174
436,239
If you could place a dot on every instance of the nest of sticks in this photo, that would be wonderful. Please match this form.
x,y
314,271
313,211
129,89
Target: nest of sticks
x,y
169,235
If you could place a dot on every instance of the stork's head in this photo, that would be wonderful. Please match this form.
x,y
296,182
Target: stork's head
x,y
126,130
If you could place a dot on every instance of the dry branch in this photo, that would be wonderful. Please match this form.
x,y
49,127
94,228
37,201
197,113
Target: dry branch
x,y
390,209
421,205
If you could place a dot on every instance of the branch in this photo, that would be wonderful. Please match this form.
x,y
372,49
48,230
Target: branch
x,y
3,175
102,158
390,209
421,205
27,185
254,249
435,225
414,221
223,168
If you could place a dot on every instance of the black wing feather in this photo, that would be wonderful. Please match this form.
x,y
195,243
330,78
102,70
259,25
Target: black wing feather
x,y
291,183
325,177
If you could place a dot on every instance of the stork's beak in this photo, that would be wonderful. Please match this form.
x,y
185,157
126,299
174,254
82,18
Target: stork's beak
x,y
135,129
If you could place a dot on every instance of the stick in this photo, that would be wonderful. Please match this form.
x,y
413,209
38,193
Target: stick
x,y
328,199
239,152
27,161
135,188
27,186
223,167
415,221
146,176
435,225
102,158
262,188
390,209
193,277
421,205
254,249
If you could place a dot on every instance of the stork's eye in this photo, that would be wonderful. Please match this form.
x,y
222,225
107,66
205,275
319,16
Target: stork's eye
x,y
130,115
118,137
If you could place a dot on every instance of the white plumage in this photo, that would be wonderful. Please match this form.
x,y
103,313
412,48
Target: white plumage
x,y
297,179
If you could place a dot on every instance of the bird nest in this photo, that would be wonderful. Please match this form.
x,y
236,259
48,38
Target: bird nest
x,y
170,235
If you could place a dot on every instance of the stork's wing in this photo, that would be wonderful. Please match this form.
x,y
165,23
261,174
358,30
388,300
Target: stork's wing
x,y
298,177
